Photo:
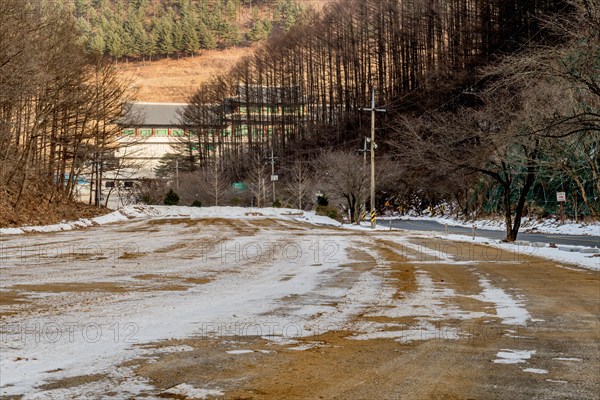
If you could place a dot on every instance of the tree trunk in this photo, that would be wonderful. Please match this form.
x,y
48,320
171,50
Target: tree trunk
x,y
351,206
522,198
507,213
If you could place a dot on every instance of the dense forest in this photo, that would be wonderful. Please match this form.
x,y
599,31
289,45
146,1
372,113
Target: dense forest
x,y
492,106
148,28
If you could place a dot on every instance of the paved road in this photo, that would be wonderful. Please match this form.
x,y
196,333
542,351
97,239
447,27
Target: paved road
x,y
575,240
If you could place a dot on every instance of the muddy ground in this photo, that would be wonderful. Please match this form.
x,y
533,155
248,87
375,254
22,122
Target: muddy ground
x,y
436,328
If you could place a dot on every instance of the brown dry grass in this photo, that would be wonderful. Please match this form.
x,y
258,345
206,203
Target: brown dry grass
x,y
175,80
73,381
36,209
159,283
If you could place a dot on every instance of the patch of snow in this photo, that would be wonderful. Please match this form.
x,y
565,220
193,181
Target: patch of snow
x,y
11,231
190,392
427,302
427,255
567,359
426,305
516,336
423,331
306,346
115,216
556,381
235,352
279,340
313,218
510,310
565,267
144,211
536,370
534,226
129,386
581,259
507,356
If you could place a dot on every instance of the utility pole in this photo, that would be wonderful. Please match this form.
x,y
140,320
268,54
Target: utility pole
x,y
273,176
364,152
177,175
373,110
100,171
98,187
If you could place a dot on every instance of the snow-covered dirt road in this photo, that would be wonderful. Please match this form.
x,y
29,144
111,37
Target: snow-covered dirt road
x,y
275,307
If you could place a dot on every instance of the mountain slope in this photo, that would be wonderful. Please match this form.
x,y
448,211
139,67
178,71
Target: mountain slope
x,y
173,80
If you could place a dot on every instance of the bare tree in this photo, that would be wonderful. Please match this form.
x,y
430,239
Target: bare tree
x,y
299,183
487,141
569,64
257,182
148,191
344,179
216,183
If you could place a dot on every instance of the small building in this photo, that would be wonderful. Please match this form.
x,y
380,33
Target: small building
x,y
148,132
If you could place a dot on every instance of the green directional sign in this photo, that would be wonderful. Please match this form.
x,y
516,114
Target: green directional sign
x,y
241,186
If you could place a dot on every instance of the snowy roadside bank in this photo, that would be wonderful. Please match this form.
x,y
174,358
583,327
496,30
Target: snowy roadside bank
x,y
115,216
584,260
143,211
533,226
563,254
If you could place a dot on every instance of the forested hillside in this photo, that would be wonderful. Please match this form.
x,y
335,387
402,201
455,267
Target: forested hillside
x,y
148,28
491,105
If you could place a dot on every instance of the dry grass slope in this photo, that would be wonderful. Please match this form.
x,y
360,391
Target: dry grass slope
x,y
42,205
175,80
